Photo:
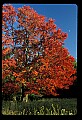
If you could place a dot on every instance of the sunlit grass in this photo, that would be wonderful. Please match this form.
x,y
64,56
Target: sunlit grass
x,y
54,111
40,107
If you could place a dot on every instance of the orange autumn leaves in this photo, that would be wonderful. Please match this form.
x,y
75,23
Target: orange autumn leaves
x,y
7,67
34,52
35,72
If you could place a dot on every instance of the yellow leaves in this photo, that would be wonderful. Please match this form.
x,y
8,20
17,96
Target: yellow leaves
x,y
23,81
30,68
4,65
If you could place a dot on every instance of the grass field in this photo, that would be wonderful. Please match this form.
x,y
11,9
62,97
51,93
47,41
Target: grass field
x,y
48,106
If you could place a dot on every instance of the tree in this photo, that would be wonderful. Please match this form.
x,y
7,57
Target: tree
x,y
41,63
8,62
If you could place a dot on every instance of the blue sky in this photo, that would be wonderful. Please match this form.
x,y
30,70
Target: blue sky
x,y
65,16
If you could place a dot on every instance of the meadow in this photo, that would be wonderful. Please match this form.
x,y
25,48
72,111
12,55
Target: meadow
x,y
44,106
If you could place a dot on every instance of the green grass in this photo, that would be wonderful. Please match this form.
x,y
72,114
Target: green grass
x,y
51,106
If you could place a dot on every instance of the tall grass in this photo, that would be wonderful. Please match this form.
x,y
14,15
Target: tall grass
x,y
40,107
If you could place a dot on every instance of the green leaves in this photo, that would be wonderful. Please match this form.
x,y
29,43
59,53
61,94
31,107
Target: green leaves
x,y
12,78
34,79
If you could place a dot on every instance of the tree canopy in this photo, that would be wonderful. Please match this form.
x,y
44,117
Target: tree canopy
x,y
33,53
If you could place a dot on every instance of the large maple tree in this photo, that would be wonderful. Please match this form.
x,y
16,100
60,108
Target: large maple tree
x,y
33,53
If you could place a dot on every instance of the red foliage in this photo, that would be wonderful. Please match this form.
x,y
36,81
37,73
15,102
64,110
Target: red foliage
x,y
41,63
10,88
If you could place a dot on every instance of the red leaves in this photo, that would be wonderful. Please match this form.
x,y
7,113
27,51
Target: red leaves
x,y
7,66
41,63
10,88
51,20
9,10
6,51
15,74
35,73
8,14
61,35
59,31
9,62
56,57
